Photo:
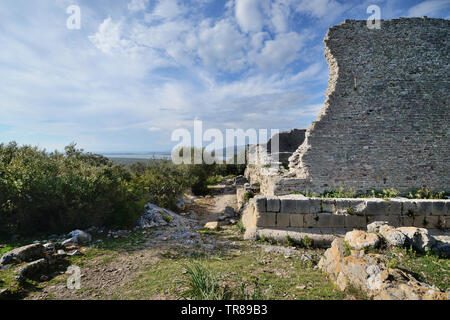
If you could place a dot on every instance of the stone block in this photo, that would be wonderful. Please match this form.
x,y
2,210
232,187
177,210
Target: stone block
x,y
407,221
409,207
419,221
444,222
394,220
266,219
260,203
376,207
302,205
310,220
424,207
283,219
432,222
350,206
337,221
273,204
314,205
324,220
370,219
354,221
439,207
296,220
395,207
328,205
288,205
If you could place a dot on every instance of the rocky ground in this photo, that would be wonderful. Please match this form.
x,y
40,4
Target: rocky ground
x,y
150,261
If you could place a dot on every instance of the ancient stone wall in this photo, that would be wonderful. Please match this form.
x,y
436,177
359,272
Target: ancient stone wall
x,y
385,120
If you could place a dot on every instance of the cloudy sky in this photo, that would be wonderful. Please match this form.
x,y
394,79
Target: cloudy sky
x,y
138,69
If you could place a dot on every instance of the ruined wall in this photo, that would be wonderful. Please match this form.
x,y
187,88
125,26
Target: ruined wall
x,y
385,121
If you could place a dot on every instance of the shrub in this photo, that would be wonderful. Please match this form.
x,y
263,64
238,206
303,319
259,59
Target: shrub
x,y
44,192
426,193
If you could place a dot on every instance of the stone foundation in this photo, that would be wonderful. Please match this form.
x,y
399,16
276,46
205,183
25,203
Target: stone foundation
x,y
298,213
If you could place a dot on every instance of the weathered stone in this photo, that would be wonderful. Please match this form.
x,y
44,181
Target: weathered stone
x,y
419,238
324,220
266,219
376,207
212,225
25,253
33,270
296,220
328,205
283,219
273,204
359,239
81,237
373,88
352,221
393,237
375,226
310,220
395,207
260,203
439,208
289,205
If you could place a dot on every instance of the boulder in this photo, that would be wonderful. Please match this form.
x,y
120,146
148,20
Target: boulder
x,y
375,226
81,237
25,253
442,249
33,270
212,225
418,238
393,237
359,239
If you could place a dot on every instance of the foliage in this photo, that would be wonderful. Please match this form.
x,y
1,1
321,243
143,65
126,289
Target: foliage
x,y
426,193
202,284
44,192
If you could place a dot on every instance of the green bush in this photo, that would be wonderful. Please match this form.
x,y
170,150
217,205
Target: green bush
x,y
52,192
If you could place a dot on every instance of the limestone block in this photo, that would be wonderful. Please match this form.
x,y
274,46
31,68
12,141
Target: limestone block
x,y
432,222
395,207
273,204
407,221
324,220
394,220
409,207
419,221
296,220
353,221
328,205
337,221
303,205
350,206
371,219
376,207
266,219
439,207
315,205
283,219
288,205
424,207
260,202
310,220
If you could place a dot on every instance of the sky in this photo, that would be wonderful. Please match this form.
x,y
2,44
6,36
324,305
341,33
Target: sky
x,y
136,70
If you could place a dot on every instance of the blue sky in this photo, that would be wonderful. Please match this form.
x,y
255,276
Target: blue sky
x,y
138,69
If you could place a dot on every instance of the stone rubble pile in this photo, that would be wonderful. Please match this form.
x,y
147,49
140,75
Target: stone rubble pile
x,y
348,264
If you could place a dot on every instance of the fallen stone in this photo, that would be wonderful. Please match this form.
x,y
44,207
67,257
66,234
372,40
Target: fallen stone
x,y
375,226
359,239
393,237
25,253
418,238
81,237
212,225
442,249
33,270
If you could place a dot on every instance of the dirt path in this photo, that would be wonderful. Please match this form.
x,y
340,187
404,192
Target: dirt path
x,y
103,274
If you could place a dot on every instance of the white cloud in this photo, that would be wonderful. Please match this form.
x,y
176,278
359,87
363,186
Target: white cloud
x,y
248,15
321,8
429,8
108,37
137,5
166,9
279,52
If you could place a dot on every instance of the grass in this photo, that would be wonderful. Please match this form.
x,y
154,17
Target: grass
x,y
426,267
